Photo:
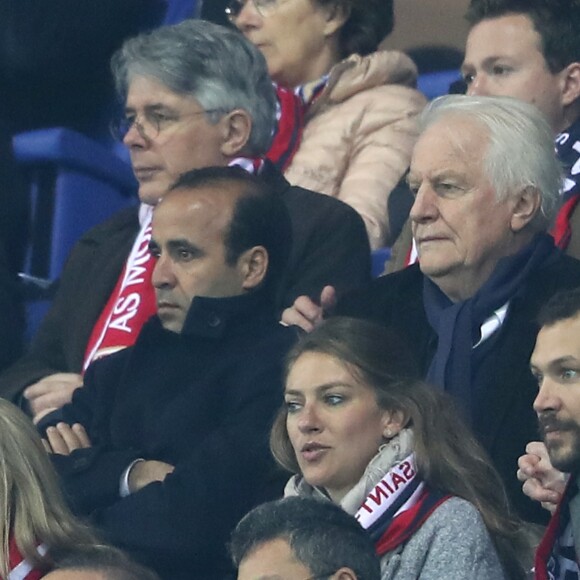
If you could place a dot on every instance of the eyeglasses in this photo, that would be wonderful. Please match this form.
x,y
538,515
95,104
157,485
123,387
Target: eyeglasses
x,y
151,124
263,7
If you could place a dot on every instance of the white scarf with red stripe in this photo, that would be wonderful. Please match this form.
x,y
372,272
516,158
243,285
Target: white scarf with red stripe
x,y
20,568
131,303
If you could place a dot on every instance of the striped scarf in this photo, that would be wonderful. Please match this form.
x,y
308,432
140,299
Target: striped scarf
x,y
291,110
131,303
397,506
556,555
568,151
19,567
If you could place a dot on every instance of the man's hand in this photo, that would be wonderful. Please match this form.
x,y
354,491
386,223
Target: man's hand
x,y
145,472
64,439
51,392
308,315
542,481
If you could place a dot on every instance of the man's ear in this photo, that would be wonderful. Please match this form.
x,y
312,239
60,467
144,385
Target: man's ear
x,y
570,76
344,574
526,206
236,129
253,264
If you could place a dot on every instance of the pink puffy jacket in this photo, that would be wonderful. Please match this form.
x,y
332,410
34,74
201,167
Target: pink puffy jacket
x,y
359,135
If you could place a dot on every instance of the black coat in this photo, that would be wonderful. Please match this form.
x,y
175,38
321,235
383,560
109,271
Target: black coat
x,y
330,246
506,422
203,401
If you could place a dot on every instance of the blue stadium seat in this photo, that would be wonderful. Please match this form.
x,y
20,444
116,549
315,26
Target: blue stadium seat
x,y
75,183
179,10
379,258
435,84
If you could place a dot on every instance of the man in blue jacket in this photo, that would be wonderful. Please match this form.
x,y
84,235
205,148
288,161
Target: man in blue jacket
x,y
166,445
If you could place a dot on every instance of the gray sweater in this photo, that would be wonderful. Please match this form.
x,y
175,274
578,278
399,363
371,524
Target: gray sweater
x,y
453,544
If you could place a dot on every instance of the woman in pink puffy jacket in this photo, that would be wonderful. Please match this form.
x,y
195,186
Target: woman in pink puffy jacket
x,y
360,105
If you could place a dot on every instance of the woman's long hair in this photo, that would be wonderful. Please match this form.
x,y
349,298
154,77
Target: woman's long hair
x,y
448,456
367,24
32,509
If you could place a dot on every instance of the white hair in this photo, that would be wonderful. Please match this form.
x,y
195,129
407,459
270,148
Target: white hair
x,y
520,153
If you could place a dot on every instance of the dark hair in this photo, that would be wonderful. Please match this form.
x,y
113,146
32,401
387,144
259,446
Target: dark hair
x,y
448,456
556,21
260,217
563,305
111,562
368,23
321,535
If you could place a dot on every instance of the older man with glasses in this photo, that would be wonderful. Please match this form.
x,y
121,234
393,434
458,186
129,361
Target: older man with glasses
x,y
196,95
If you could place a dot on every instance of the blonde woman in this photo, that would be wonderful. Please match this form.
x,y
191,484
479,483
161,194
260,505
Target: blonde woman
x,y
36,527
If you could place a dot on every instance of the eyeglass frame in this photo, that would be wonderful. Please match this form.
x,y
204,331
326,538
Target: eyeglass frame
x,y
115,126
234,7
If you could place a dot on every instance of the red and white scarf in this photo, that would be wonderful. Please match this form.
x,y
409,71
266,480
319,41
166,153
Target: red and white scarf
x,y
397,506
131,303
20,568
292,107
290,121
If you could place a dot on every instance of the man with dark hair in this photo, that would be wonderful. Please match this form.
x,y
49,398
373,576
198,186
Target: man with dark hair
x,y
555,363
196,95
100,563
302,538
166,445
530,50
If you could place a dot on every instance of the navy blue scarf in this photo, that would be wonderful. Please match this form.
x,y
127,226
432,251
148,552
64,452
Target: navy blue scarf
x,y
457,325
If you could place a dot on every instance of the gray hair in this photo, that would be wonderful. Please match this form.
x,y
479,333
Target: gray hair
x,y
213,64
321,535
521,150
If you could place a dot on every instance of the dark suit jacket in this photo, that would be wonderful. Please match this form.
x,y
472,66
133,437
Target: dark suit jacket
x,y
506,422
329,246
203,401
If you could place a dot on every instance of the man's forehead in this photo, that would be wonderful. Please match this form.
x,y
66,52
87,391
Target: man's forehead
x,y
558,341
207,198
495,38
272,560
148,91
452,138
189,210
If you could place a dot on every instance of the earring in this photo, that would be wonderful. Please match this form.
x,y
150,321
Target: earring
x,y
388,433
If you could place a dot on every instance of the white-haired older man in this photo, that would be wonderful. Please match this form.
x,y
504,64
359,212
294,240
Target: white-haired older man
x,y
486,182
